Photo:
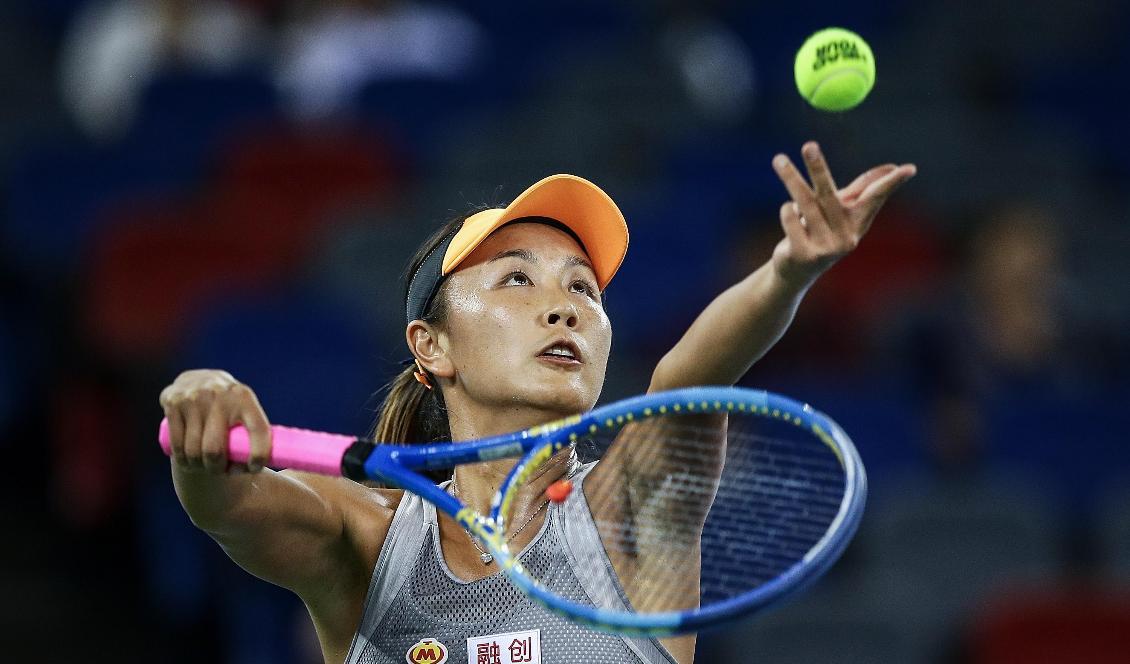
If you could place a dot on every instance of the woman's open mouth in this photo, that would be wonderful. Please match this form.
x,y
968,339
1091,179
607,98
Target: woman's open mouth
x,y
561,352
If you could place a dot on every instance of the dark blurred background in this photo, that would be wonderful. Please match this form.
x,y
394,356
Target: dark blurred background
x,y
238,184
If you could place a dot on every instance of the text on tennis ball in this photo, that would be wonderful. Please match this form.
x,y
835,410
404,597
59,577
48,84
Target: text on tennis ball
x,y
833,51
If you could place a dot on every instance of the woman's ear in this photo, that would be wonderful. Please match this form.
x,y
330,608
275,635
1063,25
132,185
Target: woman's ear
x,y
423,340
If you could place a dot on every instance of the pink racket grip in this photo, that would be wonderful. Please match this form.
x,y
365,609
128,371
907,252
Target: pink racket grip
x,y
299,449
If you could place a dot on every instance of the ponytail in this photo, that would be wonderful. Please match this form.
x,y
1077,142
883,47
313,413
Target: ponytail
x,y
411,413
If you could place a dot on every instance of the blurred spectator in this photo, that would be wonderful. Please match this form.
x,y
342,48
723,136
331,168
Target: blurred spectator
x,y
1008,373
113,49
1016,274
715,65
334,48
1003,324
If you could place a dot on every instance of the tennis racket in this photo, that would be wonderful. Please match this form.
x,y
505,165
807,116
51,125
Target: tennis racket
x,y
707,504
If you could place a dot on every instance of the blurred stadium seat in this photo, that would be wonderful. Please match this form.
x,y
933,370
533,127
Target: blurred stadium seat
x,y
319,345
847,618
189,114
592,114
1112,530
879,413
349,263
1047,624
721,165
58,197
190,580
312,172
958,538
92,458
60,192
420,113
156,264
530,36
1059,429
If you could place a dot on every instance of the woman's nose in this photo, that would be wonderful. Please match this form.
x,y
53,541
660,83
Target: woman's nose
x,y
562,315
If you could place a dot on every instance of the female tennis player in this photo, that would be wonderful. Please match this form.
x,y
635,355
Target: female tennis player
x,y
506,328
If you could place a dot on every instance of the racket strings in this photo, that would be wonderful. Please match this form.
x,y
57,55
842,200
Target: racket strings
x,y
680,445
678,533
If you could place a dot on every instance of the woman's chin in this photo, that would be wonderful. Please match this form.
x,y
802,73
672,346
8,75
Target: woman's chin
x,y
567,398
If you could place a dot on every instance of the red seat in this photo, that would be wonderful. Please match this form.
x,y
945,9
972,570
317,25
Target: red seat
x,y
901,258
313,172
1055,625
157,263
92,460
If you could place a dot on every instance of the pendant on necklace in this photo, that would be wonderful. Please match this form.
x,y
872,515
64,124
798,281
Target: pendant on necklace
x,y
486,558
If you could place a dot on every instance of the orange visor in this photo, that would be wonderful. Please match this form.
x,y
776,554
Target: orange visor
x,y
575,202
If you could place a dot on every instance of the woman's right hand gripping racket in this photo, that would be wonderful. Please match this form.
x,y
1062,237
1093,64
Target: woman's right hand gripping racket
x,y
707,504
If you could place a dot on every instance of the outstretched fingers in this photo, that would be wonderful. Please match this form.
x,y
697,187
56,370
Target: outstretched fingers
x,y
821,175
886,185
852,192
794,182
809,210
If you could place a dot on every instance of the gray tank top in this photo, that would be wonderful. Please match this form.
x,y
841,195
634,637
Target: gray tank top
x,y
414,596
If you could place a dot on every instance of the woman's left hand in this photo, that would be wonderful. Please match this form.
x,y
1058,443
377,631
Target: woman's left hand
x,y
822,223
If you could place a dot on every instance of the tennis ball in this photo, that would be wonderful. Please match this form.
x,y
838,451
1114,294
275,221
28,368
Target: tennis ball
x,y
834,69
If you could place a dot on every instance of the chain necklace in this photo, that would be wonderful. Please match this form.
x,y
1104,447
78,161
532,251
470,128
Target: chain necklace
x,y
486,556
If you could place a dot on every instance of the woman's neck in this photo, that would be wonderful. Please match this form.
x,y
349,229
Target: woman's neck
x,y
476,484
469,420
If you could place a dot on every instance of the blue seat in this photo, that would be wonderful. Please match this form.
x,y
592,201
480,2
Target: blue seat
x,y
308,360
1112,528
186,116
671,270
419,111
188,579
58,193
859,615
960,539
1074,439
881,416
731,166
1062,95
528,33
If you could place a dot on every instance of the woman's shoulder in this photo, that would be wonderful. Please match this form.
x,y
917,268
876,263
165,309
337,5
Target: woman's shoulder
x,y
361,506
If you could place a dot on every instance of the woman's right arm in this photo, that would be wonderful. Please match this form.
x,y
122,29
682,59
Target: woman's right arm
x,y
291,528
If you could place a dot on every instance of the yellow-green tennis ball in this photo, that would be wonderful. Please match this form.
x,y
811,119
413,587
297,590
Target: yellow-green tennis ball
x,y
834,69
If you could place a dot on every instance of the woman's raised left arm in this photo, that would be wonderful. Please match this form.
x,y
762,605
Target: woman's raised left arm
x,y
822,224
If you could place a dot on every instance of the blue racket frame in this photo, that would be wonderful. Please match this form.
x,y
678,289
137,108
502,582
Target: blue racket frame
x,y
399,465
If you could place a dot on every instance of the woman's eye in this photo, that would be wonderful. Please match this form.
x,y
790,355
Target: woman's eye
x,y
517,279
585,288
